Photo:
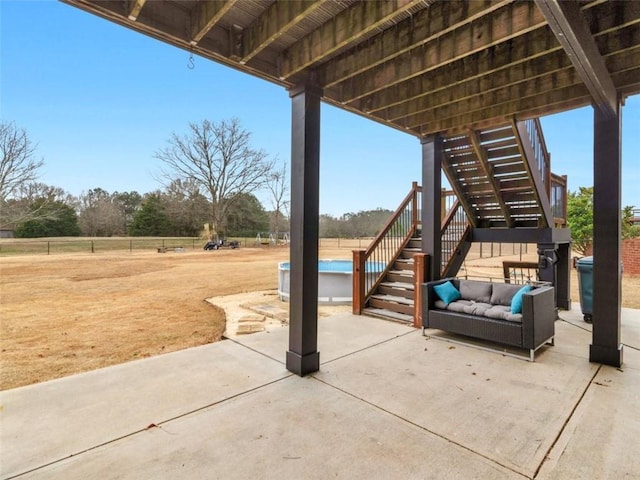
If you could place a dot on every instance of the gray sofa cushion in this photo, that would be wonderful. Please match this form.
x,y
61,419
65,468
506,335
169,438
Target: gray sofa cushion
x,y
503,312
502,293
476,291
457,306
477,308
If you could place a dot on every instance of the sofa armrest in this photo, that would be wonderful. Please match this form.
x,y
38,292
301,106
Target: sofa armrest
x,y
538,316
429,297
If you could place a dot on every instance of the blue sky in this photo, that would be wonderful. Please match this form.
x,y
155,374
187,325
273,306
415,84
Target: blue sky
x,y
100,99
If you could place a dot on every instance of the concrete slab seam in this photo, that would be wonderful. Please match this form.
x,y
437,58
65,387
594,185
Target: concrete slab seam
x,y
567,420
424,429
589,331
255,350
150,426
368,347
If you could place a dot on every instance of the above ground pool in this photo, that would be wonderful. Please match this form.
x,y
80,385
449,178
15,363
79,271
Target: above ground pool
x,y
335,281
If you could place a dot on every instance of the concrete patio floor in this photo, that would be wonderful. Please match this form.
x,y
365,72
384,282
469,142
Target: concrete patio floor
x,y
387,403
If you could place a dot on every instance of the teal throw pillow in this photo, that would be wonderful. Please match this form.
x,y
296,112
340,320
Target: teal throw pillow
x,y
516,301
447,292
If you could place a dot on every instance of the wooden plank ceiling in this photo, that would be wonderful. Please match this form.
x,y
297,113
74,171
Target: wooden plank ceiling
x,y
422,66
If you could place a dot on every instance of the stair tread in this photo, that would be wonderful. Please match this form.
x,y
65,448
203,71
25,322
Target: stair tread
x,y
402,285
404,273
387,314
393,298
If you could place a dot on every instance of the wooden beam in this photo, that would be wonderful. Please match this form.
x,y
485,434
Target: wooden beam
x,y
532,105
274,22
206,15
572,32
345,28
499,96
511,22
134,9
542,74
618,33
538,71
426,25
481,155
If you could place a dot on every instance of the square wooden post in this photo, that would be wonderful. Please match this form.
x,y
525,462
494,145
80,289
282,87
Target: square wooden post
x,y
607,292
431,203
303,356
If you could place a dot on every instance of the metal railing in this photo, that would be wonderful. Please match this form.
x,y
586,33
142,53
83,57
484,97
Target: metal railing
x,y
371,265
454,229
558,199
541,155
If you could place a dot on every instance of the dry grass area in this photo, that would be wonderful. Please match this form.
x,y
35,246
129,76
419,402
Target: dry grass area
x,y
64,314
70,313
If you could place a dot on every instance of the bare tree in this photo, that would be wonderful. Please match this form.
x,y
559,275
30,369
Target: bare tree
x,y
186,207
31,202
279,189
220,159
100,214
18,168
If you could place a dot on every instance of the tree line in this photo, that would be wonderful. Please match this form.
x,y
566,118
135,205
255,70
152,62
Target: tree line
x,y
580,220
208,175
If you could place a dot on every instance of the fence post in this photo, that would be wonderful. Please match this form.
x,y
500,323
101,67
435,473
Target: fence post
x,y
130,245
92,249
358,282
48,248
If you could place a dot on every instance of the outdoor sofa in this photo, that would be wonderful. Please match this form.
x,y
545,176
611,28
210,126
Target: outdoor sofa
x,y
484,311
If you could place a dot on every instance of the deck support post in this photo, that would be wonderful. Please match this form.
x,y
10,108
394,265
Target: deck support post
x,y
607,282
303,356
432,153
563,277
554,266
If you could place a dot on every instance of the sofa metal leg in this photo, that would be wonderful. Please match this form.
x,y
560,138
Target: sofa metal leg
x,y
532,354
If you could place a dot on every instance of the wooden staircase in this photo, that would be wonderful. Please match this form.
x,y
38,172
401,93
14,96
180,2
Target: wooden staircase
x,y
394,297
501,178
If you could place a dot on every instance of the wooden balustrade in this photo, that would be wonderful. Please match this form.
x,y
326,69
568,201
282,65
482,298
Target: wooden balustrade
x,y
371,265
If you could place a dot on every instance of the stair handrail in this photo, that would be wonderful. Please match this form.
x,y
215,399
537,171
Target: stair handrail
x,y
541,154
558,199
456,212
404,218
537,162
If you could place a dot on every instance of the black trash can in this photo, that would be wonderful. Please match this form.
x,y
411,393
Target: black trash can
x,y
585,284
